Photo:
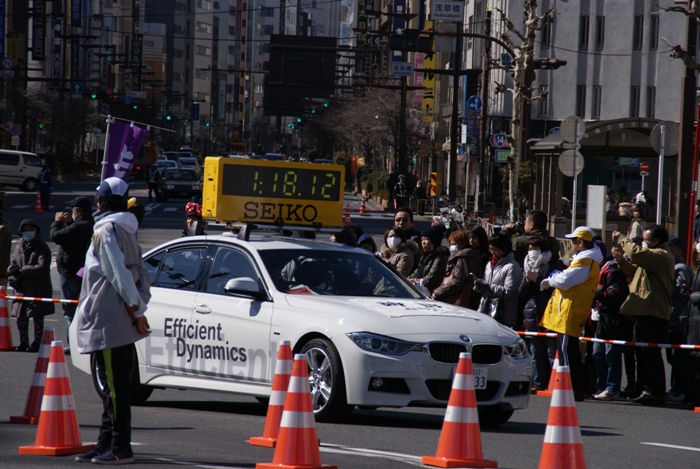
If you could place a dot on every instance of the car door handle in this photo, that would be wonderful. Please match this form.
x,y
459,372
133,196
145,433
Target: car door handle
x,y
202,309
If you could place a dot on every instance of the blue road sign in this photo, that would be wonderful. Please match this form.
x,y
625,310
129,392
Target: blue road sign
x,y
474,103
76,88
127,98
552,130
498,140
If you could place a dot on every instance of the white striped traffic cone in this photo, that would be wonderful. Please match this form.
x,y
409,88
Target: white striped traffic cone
x,y
280,383
5,332
36,391
552,378
460,438
58,432
297,444
562,446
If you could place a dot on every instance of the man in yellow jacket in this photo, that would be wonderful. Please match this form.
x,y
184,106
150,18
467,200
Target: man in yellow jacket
x,y
570,304
651,268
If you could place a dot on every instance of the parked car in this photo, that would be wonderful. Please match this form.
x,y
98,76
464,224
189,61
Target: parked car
x,y
179,183
20,168
371,338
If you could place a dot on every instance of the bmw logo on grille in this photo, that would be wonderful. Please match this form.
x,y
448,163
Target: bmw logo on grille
x,y
465,338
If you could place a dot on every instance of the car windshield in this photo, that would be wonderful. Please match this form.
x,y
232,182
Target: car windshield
x,y
180,175
188,161
342,273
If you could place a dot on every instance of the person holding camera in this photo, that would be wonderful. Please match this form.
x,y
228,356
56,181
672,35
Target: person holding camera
x,y
30,275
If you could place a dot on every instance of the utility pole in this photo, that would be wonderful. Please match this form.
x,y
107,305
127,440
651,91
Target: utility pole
x,y
483,161
454,122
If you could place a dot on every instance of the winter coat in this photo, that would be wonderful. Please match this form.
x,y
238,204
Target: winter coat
x,y
533,299
520,245
636,228
693,326
34,260
456,287
402,257
115,277
651,287
612,291
431,268
570,305
5,245
503,279
679,305
45,181
73,241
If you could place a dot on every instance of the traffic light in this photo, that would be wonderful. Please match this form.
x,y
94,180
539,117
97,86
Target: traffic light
x,y
135,106
93,95
326,104
548,64
298,120
207,124
168,117
41,126
313,110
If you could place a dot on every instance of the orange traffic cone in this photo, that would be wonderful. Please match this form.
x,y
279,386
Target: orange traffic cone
x,y
562,447
346,219
460,438
5,332
36,391
697,409
363,210
37,204
58,432
297,444
552,378
280,383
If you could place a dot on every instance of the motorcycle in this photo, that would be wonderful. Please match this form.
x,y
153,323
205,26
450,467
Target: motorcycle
x,y
451,217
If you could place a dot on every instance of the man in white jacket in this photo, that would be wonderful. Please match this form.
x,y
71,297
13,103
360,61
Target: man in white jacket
x,y
110,316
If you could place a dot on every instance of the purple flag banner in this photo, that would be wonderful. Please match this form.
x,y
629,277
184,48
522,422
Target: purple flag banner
x,y
123,145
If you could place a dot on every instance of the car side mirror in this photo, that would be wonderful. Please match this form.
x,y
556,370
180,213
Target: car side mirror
x,y
246,287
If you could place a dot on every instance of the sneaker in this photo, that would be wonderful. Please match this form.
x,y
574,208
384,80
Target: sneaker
x,y
23,347
606,396
34,348
647,399
114,457
93,453
675,397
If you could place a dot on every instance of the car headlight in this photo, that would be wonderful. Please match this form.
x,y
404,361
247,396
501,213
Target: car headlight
x,y
517,350
382,344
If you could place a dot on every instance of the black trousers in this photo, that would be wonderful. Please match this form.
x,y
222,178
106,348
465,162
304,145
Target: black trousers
x,y
570,355
651,374
114,368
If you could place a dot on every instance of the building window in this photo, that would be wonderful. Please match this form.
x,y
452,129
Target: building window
x,y
654,33
581,100
583,32
597,102
635,93
544,102
268,30
638,39
202,51
546,34
599,32
651,102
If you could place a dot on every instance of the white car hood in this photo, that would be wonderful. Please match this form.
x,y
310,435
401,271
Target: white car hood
x,y
407,319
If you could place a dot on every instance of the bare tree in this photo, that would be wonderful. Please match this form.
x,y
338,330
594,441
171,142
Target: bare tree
x,y
677,51
522,44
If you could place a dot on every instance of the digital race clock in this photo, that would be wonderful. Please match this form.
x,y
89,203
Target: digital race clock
x,y
278,192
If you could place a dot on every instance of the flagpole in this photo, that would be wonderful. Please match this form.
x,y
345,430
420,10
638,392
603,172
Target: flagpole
x,y
110,119
148,126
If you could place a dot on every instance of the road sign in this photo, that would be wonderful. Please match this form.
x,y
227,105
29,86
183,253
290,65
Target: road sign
x,y
76,88
137,94
14,140
127,98
644,166
670,138
15,129
552,130
474,103
7,63
569,146
568,128
644,173
498,140
566,163
402,69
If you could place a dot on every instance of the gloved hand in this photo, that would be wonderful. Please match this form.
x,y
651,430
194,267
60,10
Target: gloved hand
x,y
14,271
481,286
544,285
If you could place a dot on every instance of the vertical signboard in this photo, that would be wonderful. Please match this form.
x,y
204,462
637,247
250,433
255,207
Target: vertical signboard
x,y
282,13
137,61
39,30
428,99
75,13
360,38
57,48
399,23
3,7
222,99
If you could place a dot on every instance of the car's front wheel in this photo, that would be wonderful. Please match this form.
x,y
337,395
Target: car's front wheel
x,y
326,380
29,185
138,393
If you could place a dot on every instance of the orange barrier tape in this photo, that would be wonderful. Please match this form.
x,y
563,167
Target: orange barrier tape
x,y
615,342
45,300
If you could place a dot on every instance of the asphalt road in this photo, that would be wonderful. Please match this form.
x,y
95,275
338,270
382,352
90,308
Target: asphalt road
x,y
206,429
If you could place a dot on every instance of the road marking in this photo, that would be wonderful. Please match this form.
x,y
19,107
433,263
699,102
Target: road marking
x,y
194,464
372,453
664,445
170,209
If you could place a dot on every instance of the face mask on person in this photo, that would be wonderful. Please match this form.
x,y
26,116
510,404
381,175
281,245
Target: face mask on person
x,y
534,254
28,235
453,248
393,242
645,245
697,248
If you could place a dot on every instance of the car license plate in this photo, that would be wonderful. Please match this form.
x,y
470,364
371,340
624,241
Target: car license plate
x,y
480,376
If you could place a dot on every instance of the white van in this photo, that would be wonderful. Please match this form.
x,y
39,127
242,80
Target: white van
x,y
20,168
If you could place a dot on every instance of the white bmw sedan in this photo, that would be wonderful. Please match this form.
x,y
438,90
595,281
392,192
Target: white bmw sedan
x,y
220,307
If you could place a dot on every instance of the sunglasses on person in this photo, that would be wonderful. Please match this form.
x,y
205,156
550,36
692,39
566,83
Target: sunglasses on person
x,y
401,220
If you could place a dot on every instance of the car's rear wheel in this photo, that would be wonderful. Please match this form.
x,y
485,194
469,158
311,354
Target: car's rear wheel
x,y
494,415
326,380
138,393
